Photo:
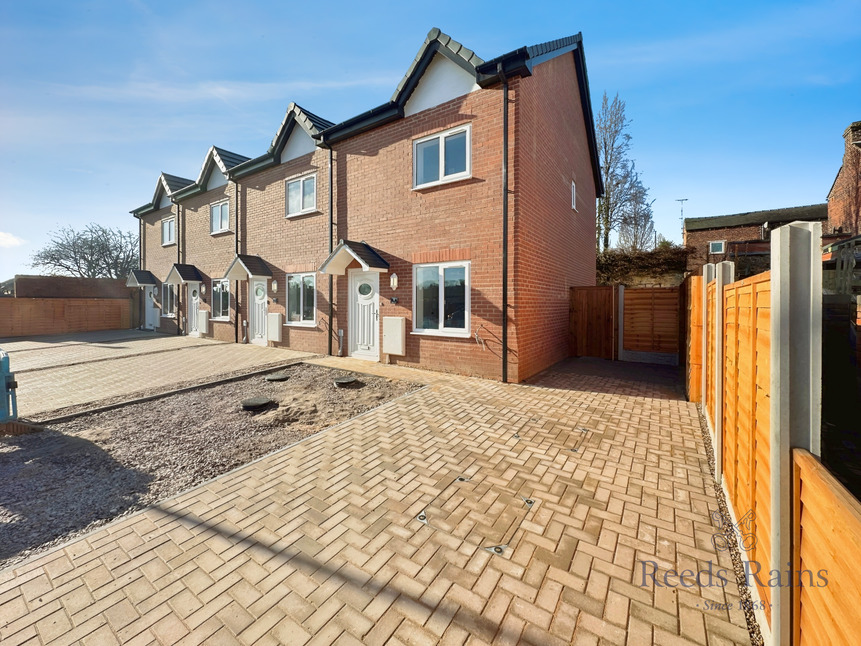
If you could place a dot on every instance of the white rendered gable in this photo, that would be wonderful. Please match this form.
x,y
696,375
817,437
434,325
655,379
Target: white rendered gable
x,y
164,202
216,179
299,143
442,81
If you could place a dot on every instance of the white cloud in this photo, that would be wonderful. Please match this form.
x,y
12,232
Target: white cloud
x,y
8,240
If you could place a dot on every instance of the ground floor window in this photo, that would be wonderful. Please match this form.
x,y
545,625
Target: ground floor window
x,y
168,300
301,299
220,300
441,298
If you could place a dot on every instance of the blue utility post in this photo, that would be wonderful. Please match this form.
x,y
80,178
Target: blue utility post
x,y
8,402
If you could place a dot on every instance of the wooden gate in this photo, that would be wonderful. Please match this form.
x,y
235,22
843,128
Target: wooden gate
x,y
592,319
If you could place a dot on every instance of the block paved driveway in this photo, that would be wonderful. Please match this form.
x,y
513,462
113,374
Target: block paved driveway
x,y
381,530
54,372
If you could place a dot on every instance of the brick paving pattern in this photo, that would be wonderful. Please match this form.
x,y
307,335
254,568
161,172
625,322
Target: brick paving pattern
x,y
55,372
576,478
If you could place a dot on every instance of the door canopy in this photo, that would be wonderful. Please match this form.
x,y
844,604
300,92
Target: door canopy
x,y
245,267
180,274
347,252
140,278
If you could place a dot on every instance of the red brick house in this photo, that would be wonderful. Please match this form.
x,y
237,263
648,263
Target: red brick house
x,y
742,237
844,198
439,230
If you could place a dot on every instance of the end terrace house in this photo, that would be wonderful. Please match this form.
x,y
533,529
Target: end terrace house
x,y
441,230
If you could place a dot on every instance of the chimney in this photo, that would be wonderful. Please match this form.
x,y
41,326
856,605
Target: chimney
x,y
852,135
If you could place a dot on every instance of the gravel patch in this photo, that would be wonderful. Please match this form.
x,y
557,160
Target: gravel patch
x,y
747,600
82,473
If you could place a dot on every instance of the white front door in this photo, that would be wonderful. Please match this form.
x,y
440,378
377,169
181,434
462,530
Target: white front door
x,y
257,312
363,323
193,308
150,310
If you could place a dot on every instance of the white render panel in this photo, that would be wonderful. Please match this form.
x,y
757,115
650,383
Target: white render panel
x,y
164,202
216,179
441,82
299,143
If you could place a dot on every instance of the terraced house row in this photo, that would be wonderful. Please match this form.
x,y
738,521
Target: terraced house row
x,y
441,230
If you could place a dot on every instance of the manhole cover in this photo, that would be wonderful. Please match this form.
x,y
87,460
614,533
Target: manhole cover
x,y
346,382
277,376
479,512
256,403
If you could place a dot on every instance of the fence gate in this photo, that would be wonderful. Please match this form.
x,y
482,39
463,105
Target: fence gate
x,y
592,319
650,325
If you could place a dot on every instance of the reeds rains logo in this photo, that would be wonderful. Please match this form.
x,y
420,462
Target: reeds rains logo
x,y
742,535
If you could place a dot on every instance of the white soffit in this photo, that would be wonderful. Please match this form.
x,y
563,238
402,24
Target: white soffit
x,y
298,143
442,81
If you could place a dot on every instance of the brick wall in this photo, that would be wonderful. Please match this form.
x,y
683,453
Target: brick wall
x,y
554,245
71,287
158,259
698,243
844,200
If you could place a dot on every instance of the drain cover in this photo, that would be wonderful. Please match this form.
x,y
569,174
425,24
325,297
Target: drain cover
x,y
346,382
277,376
256,403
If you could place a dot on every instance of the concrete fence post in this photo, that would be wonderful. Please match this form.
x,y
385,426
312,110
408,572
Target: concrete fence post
x,y
724,275
795,385
708,276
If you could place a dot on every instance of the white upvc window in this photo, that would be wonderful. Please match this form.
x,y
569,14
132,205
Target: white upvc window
x,y
717,246
219,217
443,157
221,299
168,300
573,195
301,195
168,231
441,299
301,299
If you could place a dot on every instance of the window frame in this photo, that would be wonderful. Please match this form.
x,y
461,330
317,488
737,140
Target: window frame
x,y
441,136
168,313
219,204
301,179
170,219
442,331
301,275
219,281
722,244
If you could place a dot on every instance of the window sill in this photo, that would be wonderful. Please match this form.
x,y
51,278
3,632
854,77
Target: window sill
x,y
442,182
437,333
168,244
220,233
220,319
168,316
309,324
300,214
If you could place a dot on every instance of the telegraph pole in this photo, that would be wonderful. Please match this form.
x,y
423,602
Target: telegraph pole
x,y
681,202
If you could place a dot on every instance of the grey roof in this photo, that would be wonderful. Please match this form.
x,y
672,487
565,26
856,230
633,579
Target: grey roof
x,y
811,212
310,122
552,46
255,265
230,159
366,252
142,277
188,273
175,183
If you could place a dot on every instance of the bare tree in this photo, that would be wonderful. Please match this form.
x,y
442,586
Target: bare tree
x,y
94,252
616,169
637,229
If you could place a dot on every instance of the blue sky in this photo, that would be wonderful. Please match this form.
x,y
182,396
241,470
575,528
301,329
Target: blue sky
x,y
736,106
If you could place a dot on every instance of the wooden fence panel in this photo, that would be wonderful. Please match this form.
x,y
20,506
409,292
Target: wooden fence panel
x,y
651,320
826,537
35,316
746,433
591,321
694,337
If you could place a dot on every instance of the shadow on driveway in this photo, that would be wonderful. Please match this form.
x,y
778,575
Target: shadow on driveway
x,y
56,484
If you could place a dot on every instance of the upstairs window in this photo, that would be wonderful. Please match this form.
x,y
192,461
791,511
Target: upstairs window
x,y
302,195
219,217
220,299
168,231
717,246
301,297
443,157
168,300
